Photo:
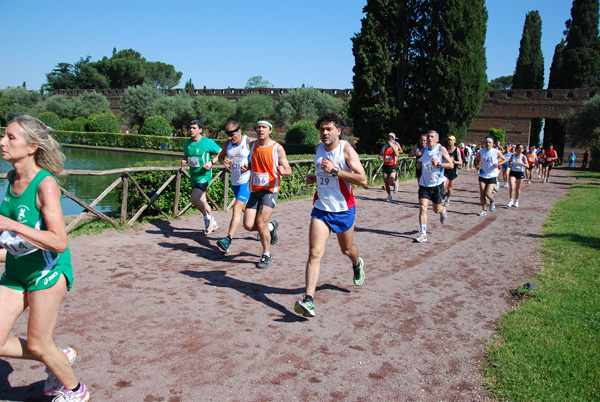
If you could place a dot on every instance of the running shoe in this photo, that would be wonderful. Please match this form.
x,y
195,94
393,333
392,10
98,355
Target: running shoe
x,y
224,244
447,202
359,272
444,216
396,186
505,185
389,198
305,307
265,262
422,237
274,237
510,203
482,213
492,206
547,180
528,181
517,204
52,385
211,225
66,395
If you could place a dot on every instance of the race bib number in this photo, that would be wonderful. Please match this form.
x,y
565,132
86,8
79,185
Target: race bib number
x,y
260,179
194,161
326,180
238,162
549,159
389,158
15,244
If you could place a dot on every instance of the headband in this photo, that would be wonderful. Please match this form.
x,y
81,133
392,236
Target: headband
x,y
489,138
266,123
232,131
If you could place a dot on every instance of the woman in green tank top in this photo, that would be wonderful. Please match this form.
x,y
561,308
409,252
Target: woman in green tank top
x,y
38,270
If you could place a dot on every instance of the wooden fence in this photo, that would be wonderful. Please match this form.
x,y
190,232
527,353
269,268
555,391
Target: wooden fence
x,y
300,168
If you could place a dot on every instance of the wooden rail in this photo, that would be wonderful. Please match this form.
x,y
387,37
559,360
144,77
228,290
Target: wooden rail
x,y
300,168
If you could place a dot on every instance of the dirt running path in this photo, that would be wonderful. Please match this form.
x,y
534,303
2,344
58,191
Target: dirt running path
x,y
158,313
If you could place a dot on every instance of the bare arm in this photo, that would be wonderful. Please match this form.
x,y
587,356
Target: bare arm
x,y
358,175
222,158
284,169
54,238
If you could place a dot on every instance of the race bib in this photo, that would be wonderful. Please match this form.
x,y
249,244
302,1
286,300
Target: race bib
x,y
549,159
15,244
389,158
238,162
260,179
194,161
326,180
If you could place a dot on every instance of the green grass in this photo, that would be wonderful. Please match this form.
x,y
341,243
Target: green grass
x,y
548,348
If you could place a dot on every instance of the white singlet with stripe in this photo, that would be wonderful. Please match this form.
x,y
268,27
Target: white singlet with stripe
x,y
516,166
431,176
333,194
488,160
239,156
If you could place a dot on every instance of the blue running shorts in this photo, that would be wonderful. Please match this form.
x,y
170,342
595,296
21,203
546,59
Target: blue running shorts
x,y
338,222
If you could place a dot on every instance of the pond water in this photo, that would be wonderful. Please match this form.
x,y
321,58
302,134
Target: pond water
x,y
88,188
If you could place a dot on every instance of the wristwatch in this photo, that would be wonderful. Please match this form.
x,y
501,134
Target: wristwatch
x,y
334,171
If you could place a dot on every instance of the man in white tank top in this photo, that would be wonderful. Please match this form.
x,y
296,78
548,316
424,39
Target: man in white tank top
x,y
337,168
434,160
234,154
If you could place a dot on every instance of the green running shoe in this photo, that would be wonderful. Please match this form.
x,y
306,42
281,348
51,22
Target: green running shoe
x,y
305,307
224,244
359,272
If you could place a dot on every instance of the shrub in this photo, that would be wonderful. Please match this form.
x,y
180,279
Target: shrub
x,y
77,124
498,135
90,103
302,132
103,123
156,125
51,119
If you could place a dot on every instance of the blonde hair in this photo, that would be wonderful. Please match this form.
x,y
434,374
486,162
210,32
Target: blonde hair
x,y
48,155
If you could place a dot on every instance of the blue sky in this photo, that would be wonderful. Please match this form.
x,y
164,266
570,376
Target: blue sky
x,y
220,44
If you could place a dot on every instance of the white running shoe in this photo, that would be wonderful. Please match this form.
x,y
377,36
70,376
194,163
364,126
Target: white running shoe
x,y
52,385
492,206
212,226
396,186
444,216
422,237
482,213
83,395
517,204
510,203
447,202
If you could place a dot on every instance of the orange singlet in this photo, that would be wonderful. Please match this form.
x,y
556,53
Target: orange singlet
x,y
531,159
389,157
264,162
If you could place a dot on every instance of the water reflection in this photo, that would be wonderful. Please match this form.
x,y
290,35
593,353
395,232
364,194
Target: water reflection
x,y
87,188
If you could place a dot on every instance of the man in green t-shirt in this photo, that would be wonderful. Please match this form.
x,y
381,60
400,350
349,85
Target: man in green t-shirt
x,y
201,154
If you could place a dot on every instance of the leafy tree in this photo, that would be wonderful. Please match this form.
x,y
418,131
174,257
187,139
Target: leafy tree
x,y
137,103
51,120
162,75
177,110
304,104
213,111
61,77
103,123
419,65
251,107
17,101
529,73
584,125
156,125
258,82
498,135
576,62
504,82
302,132
89,103
189,85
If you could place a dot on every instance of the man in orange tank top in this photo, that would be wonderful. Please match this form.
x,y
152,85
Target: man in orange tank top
x,y
268,163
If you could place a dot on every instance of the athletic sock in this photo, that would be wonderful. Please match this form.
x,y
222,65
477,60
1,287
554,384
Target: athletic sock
x,y
267,254
77,387
271,227
308,298
423,228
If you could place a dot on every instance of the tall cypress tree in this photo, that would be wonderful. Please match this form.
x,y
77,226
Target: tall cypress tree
x,y
529,73
371,106
420,64
458,81
576,62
